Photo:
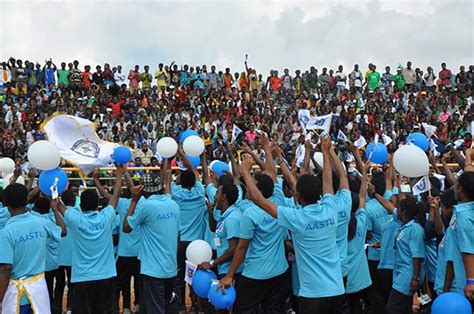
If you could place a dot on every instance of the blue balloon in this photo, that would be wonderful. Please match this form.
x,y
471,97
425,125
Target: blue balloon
x,y
420,140
222,301
219,167
202,281
377,154
451,303
195,160
187,134
122,155
47,179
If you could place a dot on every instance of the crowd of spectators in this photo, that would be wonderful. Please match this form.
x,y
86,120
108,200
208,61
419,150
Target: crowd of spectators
x,y
139,107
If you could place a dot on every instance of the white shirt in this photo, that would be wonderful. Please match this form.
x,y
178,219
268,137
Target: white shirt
x,y
119,78
342,76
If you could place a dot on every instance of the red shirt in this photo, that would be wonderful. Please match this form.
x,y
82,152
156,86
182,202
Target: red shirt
x,y
116,107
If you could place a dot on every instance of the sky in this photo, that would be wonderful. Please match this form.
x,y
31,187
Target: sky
x,y
274,34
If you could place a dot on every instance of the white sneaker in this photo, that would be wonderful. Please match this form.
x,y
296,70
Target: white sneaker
x,y
127,311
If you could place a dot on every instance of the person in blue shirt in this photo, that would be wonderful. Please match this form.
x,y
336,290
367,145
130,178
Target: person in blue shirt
x,y
158,219
93,262
127,264
23,243
190,195
462,225
408,271
358,278
227,229
264,283
49,69
314,233
42,208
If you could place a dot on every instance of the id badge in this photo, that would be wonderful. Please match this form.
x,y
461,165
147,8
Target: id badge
x,y
217,241
424,299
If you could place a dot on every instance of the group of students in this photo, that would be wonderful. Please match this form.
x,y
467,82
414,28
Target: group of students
x,y
298,241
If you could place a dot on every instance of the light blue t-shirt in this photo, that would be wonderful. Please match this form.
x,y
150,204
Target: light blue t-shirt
x,y
343,205
358,276
431,252
128,242
52,245
265,256
442,264
313,230
158,218
409,244
92,249
389,233
378,216
4,216
228,227
23,243
462,225
192,206
65,246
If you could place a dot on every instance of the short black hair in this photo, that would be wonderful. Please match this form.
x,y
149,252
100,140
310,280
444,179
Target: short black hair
x,y
354,183
265,184
231,192
225,178
15,195
379,184
89,200
69,198
187,179
42,205
466,181
309,188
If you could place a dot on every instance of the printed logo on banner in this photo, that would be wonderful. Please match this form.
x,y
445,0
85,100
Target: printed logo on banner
x,y
86,148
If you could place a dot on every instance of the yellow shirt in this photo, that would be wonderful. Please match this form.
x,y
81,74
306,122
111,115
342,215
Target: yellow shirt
x,y
161,76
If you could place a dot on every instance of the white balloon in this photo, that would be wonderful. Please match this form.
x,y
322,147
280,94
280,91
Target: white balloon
x,y
411,161
199,251
193,145
7,165
5,173
44,155
6,180
167,147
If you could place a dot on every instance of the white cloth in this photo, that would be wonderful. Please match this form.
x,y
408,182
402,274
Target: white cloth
x,y
78,142
35,288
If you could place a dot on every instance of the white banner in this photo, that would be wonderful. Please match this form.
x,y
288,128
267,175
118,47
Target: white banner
x,y
78,143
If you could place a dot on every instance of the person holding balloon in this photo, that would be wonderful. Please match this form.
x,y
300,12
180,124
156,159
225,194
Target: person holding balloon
x,y
93,262
158,217
23,243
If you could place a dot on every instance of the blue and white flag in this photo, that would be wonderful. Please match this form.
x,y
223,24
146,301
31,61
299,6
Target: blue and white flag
x,y
303,117
386,139
236,131
320,123
422,186
78,143
341,136
361,142
429,129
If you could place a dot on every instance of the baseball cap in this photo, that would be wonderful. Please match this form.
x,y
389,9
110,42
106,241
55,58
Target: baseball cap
x,y
151,182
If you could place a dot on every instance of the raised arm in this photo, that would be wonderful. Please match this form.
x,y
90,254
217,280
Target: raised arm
x,y
270,168
166,170
447,170
256,158
100,188
57,216
436,215
363,185
385,203
206,178
117,187
308,148
187,163
31,179
230,149
287,174
136,194
343,180
327,167
358,160
253,192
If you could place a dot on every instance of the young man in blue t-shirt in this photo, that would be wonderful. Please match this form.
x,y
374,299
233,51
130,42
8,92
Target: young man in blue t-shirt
x,y
93,262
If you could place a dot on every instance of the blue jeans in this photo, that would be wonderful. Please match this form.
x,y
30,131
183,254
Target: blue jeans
x,y
157,294
25,309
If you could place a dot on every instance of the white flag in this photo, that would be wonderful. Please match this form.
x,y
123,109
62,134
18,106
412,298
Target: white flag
x,y
303,117
361,142
458,143
386,139
441,178
320,123
421,186
78,143
376,138
189,273
341,136
236,131
429,129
